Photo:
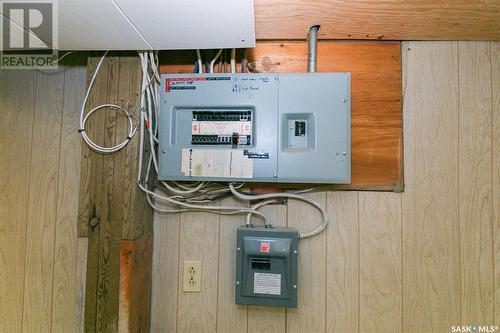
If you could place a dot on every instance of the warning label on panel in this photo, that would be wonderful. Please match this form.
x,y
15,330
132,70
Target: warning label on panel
x,y
228,163
267,283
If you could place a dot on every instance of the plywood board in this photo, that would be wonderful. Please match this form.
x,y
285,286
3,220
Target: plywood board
x,y
475,182
376,98
380,278
395,19
431,241
18,96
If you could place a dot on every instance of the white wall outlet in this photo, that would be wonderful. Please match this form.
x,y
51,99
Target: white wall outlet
x,y
191,281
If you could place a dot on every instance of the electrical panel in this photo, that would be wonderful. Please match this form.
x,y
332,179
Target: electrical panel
x,y
255,127
266,266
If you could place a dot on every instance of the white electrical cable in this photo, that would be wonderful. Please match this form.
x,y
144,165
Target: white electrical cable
x,y
200,63
209,208
258,205
323,212
83,118
213,61
233,61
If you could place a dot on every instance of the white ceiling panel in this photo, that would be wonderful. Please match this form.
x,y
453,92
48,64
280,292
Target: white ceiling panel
x,y
192,24
96,25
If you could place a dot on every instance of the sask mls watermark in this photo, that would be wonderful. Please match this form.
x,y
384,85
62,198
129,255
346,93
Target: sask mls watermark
x,y
29,34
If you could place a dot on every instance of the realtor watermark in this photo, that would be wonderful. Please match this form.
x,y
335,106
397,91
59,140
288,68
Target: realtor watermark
x,y
28,34
473,328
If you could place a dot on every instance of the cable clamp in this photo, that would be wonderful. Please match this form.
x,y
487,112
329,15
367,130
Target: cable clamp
x,y
81,130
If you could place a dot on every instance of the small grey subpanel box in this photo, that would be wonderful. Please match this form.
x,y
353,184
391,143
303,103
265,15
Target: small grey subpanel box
x,y
266,266
256,127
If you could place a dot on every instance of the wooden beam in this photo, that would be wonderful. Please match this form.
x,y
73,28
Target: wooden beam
x,y
376,123
135,284
393,19
111,208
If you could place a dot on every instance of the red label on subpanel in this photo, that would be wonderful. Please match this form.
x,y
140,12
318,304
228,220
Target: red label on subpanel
x,y
265,247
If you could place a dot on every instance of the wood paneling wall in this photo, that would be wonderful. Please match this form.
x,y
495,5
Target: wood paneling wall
x,y
42,262
417,261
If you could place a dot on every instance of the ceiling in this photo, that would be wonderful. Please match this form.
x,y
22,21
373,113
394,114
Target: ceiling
x,y
151,24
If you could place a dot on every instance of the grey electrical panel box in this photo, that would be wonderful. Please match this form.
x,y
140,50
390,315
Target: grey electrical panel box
x,y
266,266
292,128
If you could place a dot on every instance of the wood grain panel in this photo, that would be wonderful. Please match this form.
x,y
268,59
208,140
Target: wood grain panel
x,y
431,240
199,240
495,88
44,172
475,183
91,170
395,19
261,318
310,314
166,273
342,283
231,317
376,115
18,96
380,280
110,228
69,252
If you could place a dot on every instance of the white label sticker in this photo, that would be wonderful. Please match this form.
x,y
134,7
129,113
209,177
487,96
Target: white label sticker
x,y
267,283
230,163
221,127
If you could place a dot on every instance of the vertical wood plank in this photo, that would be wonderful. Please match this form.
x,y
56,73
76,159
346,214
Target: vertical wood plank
x,y
495,84
380,280
431,241
81,274
230,316
262,318
165,279
110,229
18,96
94,162
310,314
199,240
135,284
67,253
342,262
42,203
475,182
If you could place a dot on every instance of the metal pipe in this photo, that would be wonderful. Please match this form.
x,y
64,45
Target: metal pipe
x,y
312,46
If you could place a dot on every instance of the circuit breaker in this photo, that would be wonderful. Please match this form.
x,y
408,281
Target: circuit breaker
x,y
266,266
255,127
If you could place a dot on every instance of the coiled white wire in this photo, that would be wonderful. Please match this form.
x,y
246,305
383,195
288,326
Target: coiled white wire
x,y
132,129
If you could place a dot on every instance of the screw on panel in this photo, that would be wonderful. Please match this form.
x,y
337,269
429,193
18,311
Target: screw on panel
x,y
163,151
295,252
237,249
294,286
344,153
344,100
237,283
275,175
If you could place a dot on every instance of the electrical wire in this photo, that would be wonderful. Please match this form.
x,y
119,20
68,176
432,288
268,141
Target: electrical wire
x,y
132,129
312,202
200,63
214,60
233,60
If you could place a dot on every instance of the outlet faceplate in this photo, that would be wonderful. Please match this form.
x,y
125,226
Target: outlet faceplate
x,y
191,281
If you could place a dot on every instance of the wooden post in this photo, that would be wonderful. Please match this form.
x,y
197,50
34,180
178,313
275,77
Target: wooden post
x,y
113,212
